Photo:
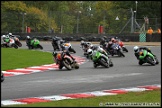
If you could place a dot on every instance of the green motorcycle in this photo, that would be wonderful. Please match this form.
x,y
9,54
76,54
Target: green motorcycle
x,y
100,59
147,57
35,44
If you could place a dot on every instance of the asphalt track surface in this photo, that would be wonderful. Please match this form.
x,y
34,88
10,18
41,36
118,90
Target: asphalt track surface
x,y
125,73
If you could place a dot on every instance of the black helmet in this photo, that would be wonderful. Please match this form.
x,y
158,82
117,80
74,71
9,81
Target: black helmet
x,y
116,37
54,53
61,41
104,37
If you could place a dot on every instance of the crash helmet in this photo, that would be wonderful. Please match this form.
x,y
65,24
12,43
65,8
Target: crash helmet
x,y
3,36
136,48
89,51
82,41
104,37
61,41
116,37
112,39
54,53
28,37
99,48
10,34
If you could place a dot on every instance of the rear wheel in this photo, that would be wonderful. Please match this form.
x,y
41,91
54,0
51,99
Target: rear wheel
x,y
104,62
19,43
111,63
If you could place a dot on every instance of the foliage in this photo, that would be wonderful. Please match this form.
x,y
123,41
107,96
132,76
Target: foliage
x,y
65,16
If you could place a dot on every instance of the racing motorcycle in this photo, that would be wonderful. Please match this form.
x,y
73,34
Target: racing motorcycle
x,y
85,46
116,50
68,47
100,59
35,44
147,57
65,61
122,46
2,76
56,43
17,41
10,43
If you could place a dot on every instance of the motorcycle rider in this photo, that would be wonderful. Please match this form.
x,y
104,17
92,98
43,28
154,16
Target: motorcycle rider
x,y
28,41
3,37
56,41
137,49
97,48
60,52
82,44
110,45
103,41
32,42
3,40
10,35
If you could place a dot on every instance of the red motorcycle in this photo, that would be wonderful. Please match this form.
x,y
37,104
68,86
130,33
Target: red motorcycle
x,y
65,61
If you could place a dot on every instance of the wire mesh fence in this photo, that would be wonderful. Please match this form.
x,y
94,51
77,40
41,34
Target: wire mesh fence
x,y
75,22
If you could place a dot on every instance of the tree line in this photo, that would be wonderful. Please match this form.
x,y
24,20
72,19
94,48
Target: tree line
x,y
73,16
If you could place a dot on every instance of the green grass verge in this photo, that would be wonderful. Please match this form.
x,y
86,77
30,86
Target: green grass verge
x,y
20,58
135,99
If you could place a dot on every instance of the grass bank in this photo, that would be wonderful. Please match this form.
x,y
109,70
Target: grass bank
x,y
19,58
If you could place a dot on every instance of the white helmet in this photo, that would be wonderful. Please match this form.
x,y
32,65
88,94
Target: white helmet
x,y
99,49
136,48
89,51
82,41
28,37
3,36
9,34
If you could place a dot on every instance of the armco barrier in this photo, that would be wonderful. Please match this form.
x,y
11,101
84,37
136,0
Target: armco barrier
x,y
134,37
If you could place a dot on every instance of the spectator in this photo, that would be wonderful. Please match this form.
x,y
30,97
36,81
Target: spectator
x,y
150,31
158,30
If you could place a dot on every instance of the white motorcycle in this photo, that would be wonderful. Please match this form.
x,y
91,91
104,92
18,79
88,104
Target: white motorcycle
x,y
68,47
17,41
10,42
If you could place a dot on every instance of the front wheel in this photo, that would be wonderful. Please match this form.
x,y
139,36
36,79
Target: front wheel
x,y
157,61
40,46
120,54
104,62
150,60
125,49
67,64
15,46
111,63
19,43
72,50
